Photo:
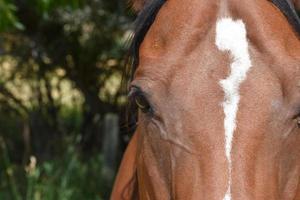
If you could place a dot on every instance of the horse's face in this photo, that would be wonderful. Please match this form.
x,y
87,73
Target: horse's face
x,y
218,86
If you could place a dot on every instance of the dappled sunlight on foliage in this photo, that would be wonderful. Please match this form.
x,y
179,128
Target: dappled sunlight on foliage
x,y
61,63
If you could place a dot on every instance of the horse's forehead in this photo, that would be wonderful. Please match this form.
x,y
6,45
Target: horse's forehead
x,y
185,34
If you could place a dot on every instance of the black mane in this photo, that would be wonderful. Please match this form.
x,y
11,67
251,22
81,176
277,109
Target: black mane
x,y
290,13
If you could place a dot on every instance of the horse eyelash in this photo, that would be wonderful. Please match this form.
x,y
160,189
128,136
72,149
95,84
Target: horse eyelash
x,y
133,92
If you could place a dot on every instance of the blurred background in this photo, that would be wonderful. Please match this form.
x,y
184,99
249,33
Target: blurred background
x,y
61,101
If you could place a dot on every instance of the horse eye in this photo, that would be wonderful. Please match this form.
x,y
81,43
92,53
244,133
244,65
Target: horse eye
x,y
142,103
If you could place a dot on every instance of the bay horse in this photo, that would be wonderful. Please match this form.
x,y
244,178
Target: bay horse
x,y
217,85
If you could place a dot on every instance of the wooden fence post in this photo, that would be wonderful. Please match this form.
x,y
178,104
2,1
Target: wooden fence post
x,y
110,146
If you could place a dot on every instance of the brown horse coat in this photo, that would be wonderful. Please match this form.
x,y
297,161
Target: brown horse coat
x,y
180,152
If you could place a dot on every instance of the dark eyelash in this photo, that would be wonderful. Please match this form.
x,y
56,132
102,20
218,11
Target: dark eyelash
x,y
133,92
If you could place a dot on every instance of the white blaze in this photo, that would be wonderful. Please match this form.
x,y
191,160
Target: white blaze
x,y
231,36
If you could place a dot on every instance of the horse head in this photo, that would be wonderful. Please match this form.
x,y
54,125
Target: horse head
x,y
217,85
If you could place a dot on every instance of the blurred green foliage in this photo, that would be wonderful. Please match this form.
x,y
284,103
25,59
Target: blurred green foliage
x,y
61,63
8,10
65,178
8,16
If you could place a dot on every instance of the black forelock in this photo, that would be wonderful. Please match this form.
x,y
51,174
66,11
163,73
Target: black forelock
x,y
290,13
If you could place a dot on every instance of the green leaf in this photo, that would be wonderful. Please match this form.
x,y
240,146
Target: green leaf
x,y
8,18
